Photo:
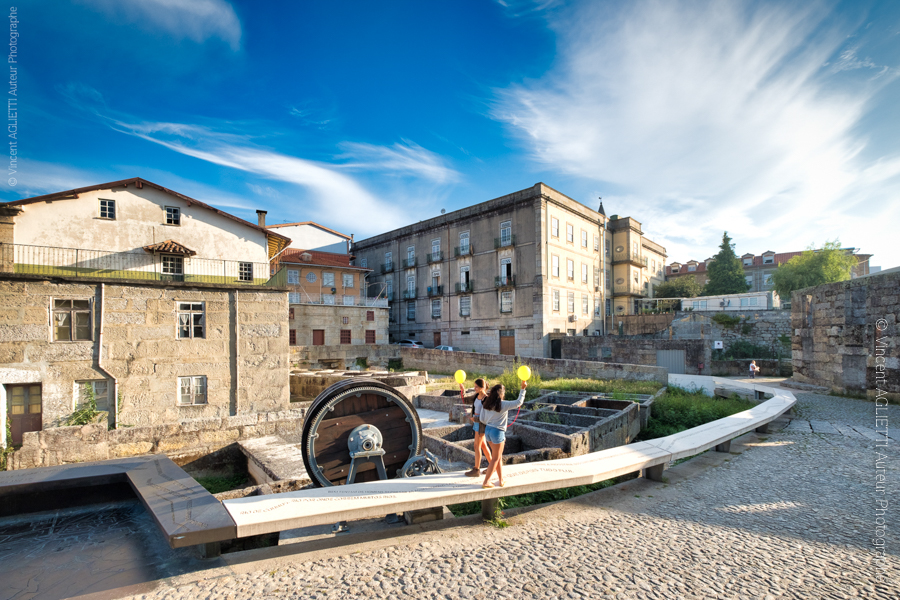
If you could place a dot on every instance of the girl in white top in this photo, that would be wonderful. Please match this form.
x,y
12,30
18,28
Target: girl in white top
x,y
494,415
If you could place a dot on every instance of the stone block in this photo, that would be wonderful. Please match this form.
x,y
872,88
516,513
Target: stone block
x,y
130,449
222,436
176,443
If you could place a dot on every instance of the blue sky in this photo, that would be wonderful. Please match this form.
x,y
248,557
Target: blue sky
x,y
776,121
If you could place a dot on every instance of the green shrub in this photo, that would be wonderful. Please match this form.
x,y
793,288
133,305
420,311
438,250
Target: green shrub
x,y
395,364
219,484
746,328
726,320
88,412
511,382
745,349
605,386
678,410
362,362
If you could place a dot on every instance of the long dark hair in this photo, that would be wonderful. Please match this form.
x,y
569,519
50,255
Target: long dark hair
x,y
492,402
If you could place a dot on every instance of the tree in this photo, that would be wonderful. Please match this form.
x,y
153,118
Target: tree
x,y
813,267
681,287
726,275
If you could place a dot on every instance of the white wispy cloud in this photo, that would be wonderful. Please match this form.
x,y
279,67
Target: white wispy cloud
x,y
404,157
196,20
708,116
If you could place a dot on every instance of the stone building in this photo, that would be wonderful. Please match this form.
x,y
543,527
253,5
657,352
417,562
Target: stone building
x,y
500,276
845,336
331,302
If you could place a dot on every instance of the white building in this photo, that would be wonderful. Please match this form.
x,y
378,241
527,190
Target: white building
x,y
312,236
733,302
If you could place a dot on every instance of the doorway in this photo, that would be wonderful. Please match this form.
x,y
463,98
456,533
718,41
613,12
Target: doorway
x,y
437,339
24,409
508,342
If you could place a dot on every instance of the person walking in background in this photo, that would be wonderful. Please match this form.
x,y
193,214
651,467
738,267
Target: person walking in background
x,y
494,415
480,445
753,369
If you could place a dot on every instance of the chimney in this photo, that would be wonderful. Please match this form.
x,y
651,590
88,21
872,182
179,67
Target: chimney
x,y
261,215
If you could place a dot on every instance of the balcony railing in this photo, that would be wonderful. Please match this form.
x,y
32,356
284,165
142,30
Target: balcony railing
x,y
410,294
134,265
630,257
435,290
387,267
327,299
502,281
464,250
409,263
629,289
504,241
464,288
436,256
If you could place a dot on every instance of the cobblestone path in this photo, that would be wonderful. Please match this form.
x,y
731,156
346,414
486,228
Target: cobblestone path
x,y
791,516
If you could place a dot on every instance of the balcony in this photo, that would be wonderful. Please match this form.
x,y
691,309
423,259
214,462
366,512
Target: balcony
x,y
464,288
464,250
504,241
304,297
501,281
387,267
409,263
629,289
136,265
436,257
630,257
435,290
410,294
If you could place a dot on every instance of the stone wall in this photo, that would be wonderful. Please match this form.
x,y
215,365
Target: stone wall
x,y
183,442
767,367
342,356
330,319
845,335
243,352
441,361
631,351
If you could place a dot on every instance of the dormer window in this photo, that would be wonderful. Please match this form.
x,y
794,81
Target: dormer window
x,y
692,267
108,209
748,262
768,260
675,269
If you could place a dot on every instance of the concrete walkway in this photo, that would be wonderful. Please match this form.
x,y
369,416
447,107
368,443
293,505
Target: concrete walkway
x,y
785,515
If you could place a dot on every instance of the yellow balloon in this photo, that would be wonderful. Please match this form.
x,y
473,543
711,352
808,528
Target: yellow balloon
x,y
460,376
524,373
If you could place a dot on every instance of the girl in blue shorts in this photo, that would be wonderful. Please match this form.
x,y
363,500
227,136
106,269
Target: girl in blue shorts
x,y
494,415
476,401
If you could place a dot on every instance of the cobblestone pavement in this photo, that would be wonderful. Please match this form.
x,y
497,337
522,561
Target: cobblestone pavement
x,y
792,515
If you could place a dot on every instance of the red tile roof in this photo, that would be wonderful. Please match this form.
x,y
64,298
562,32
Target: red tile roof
x,y
319,259
170,247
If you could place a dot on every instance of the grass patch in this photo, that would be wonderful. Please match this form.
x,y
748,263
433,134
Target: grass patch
x,y
522,500
536,385
217,485
679,409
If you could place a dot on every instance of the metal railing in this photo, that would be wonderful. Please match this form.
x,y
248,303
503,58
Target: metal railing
x,y
633,289
134,265
503,241
462,288
464,250
501,281
436,256
387,267
301,296
410,294
631,257
435,290
408,263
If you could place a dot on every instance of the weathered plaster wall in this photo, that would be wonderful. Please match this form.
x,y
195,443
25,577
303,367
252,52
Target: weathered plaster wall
x,y
631,351
846,335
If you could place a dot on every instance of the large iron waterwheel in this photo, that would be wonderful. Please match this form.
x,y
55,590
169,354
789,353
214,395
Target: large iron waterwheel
x,y
343,420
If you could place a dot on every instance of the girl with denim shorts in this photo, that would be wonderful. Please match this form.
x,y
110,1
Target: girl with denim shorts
x,y
480,445
494,416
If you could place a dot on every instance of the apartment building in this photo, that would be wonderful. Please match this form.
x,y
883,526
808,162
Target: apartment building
x,y
502,275
758,269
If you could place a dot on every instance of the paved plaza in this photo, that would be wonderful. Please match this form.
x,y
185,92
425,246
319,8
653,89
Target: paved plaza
x,y
790,514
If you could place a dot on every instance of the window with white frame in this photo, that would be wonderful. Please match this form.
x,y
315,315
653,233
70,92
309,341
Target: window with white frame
x,y
349,300
506,233
698,304
570,233
245,271
389,288
464,279
554,227
411,287
597,277
767,279
436,246
506,302
608,246
584,273
596,306
388,260
348,280
596,243
554,266
364,263
608,280
465,306
748,261
328,299
191,320
71,320
97,388
293,297
410,311
328,280
768,260
584,238
293,277
436,308
192,390
571,302
173,215
634,247
570,269
585,306
749,280
505,271
692,267
753,301
464,243
108,209
608,307
652,266
410,252
172,264
556,300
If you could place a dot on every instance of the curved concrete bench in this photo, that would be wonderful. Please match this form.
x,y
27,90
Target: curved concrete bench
x,y
266,514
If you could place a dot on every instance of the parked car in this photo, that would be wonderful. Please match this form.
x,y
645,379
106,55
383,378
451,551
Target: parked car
x,y
447,348
411,344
